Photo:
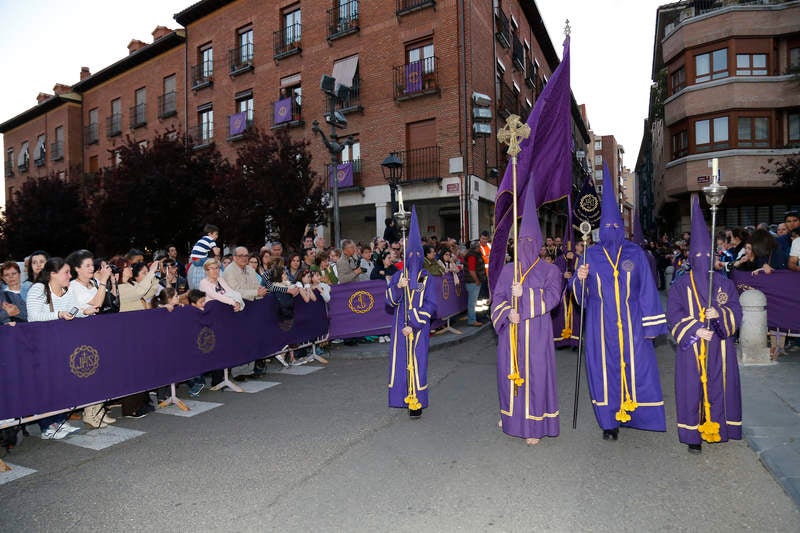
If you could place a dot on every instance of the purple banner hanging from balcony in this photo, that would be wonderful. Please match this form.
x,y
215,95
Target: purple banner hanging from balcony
x,y
283,110
238,123
414,77
344,174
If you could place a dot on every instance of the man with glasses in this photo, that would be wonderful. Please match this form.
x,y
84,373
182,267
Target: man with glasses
x,y
242,277
347,267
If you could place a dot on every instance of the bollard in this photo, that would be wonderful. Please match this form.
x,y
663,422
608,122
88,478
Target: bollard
x,y
668,273
753,332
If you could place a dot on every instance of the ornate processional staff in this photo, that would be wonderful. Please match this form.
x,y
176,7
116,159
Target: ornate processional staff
x,y
511,134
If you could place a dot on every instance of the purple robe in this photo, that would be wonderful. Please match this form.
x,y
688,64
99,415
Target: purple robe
x,y
533,411
419,312
566,315
633,301
724,390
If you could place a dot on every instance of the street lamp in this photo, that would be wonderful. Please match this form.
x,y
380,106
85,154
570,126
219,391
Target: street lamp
x,y
331,142
392,168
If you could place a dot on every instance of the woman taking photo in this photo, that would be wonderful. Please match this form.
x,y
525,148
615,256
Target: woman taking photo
x,y
137,285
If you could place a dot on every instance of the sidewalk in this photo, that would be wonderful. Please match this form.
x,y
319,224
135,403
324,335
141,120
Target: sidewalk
x,y
771,418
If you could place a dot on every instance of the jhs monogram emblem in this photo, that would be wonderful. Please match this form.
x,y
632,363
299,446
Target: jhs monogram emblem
x,y
83,362
627,265
206,340
445,289
722,297
361,302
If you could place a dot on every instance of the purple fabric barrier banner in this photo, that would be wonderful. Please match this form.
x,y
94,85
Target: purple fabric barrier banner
x,y
782,289
282,110
359,309
47,366
343,174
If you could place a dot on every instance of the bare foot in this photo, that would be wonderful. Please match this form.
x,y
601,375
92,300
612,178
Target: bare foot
x,y
531,442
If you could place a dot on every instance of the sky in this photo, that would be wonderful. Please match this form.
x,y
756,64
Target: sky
x,y
44,42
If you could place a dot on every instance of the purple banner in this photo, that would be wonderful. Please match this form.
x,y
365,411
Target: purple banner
x,y
238,123
344,174
413,77
282,110
47,366
451,297
782,289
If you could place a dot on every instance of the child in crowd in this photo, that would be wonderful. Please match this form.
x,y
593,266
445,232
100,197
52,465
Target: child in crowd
x,y
197,299
166,299
200,253
366,264
319,285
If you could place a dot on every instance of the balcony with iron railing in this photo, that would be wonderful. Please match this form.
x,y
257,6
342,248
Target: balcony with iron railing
x,y
138,114
351,102
9,168
343,20
168,105
416,78
91,134
239,127
202,135
420,164
286,113
507,101
202,75
517,53
24,164
40,157
240,59
530,74
114,125
57,151
286,41
356,163
405,7
503,33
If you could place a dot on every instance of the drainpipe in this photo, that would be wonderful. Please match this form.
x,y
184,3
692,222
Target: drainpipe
x,y
466,142
185,82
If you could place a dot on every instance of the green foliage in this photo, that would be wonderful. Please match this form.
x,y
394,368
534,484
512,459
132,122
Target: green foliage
x,y
786,171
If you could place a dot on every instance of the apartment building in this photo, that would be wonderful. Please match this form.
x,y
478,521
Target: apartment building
x,y
726,76
429,82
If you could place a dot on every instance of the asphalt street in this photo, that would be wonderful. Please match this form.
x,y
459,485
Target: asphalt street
x,y
322,452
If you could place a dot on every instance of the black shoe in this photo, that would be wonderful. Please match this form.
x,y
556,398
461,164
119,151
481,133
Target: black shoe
x,y
611,434
695,448
415,413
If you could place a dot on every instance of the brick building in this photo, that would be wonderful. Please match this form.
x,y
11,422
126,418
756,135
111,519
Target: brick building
x,y
412,68
725,87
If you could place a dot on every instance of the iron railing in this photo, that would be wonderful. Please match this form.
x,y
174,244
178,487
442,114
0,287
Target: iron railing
x,y
356,173
503,33
202,134
530,74
518,53
202,75
296,119
286,41
407,6
114,125
91,134
57,151
352,101
168,104
416,78
240,59
507,103
420,164
138,115
343,19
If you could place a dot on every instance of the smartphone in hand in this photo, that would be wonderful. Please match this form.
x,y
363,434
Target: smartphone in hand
x,y
73,311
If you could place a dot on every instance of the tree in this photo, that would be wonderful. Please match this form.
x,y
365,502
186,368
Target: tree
x,y
272,189
786,171
159,193
46,213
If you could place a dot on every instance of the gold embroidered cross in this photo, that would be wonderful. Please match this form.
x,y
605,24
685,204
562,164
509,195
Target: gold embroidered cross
x,y
511,134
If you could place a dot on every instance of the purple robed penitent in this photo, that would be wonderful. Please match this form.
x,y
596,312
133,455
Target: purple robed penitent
x,y
415,306
686,296
566,315
631,299
530,411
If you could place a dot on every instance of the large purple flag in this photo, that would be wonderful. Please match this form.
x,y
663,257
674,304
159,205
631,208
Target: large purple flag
x,y
414,77
238,123
344,174
283,110
545,160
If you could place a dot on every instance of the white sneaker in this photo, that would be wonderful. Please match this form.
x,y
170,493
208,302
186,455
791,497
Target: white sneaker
x,y
69,428
54,432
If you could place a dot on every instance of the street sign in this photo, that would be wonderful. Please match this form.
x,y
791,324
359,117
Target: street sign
x,y
703,179
452,187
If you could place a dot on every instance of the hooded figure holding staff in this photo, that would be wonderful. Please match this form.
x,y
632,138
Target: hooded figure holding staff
x,y
623,315
526,364
707,389
415,306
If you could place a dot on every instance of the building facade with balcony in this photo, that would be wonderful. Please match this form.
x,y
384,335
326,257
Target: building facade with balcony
x,y
410,69
728,76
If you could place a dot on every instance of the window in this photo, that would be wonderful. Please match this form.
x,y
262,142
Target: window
x,y
244,104
9,162
168,102
751,64
501,68
794,58
598,176
290,101
515,88
57,150
206,62
711,134
205,120
23,158
680,144
598,160
711,66
115,120
292,26
753,132
245,41
423,53
138,111
794,128
678,80
598,145
39,151
353,154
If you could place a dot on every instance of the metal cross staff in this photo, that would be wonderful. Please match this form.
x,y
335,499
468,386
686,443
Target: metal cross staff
x,y
511,134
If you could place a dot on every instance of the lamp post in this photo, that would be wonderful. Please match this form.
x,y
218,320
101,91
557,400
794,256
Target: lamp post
x,y
392,168
714,194
331,142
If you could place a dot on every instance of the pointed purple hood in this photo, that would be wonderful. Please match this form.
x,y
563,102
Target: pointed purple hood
x,y
414,259
699,248
530,234
612,229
